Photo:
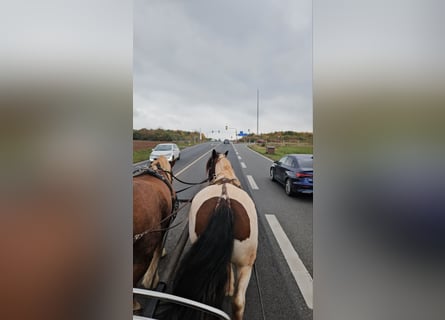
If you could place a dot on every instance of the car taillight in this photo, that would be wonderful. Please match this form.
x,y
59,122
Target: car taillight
x,y
303,175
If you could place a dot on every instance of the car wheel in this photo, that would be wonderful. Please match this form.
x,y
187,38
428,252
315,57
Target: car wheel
x,y
179,157
288,187
272,174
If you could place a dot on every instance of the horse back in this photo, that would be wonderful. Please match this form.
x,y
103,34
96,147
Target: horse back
x,y
244,213
151,202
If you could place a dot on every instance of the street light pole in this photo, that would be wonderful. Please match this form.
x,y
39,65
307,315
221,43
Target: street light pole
x,y
236,131
257,110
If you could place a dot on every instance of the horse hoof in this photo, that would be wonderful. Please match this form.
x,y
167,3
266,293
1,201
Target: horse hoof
x,y
136,305
230,292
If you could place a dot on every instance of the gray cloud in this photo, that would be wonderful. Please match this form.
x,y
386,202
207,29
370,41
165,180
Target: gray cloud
x,y
198,64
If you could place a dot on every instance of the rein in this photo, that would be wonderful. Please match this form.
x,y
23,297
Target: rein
x,y
257,280
176,207
191,184
188,183
139,236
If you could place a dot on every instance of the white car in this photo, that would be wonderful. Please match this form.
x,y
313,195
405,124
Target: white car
x,y
169,150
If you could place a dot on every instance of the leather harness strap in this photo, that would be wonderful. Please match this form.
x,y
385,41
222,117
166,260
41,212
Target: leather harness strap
x,y
156,173
223,181
175,204
224,196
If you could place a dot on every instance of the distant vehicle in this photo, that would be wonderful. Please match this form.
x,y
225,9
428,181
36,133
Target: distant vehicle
x,y
169,150
295,172
226,141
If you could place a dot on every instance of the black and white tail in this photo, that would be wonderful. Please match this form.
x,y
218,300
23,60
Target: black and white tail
x,y
203,272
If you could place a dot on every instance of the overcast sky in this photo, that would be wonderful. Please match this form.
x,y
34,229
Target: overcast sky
x,y
198,64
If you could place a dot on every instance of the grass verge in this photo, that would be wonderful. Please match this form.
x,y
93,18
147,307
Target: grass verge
x,y
141,155
280,151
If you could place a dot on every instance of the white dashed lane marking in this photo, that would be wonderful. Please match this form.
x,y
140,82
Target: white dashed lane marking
x,y
252,182
297,268
243,165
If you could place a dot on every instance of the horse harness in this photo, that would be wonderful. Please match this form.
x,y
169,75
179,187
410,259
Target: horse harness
x,y
223,181
214,180
175,207
157,174
224,194
175,204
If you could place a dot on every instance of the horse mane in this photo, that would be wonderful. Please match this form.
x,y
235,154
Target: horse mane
x,y
226,174
211,163
162,163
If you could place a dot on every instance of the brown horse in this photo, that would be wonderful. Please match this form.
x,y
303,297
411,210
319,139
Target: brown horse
x,y
153,204
223,231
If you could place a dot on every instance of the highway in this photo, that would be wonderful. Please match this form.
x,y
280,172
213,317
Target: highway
x,y
281,284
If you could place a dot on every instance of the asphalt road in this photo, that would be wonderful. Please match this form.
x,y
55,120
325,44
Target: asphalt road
x,y
273,292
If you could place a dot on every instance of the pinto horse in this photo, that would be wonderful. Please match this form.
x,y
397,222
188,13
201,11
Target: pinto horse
x,y
153,204
223,231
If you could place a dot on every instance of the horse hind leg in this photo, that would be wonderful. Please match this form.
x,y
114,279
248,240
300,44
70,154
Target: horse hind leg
x,y
151,277
239,301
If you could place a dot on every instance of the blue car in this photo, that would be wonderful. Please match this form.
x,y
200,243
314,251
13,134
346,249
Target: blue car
x,y
295,172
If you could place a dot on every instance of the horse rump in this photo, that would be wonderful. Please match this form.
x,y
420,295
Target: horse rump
x,y
204,271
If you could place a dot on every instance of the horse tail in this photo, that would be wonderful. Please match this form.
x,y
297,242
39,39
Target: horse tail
x,y
203,273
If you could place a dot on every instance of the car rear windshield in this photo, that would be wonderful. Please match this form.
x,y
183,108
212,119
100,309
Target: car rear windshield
x,y
163,147
305,163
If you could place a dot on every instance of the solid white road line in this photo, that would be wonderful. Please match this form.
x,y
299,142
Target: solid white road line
x,y
252,183
177,174
259,154
243,165
299,271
